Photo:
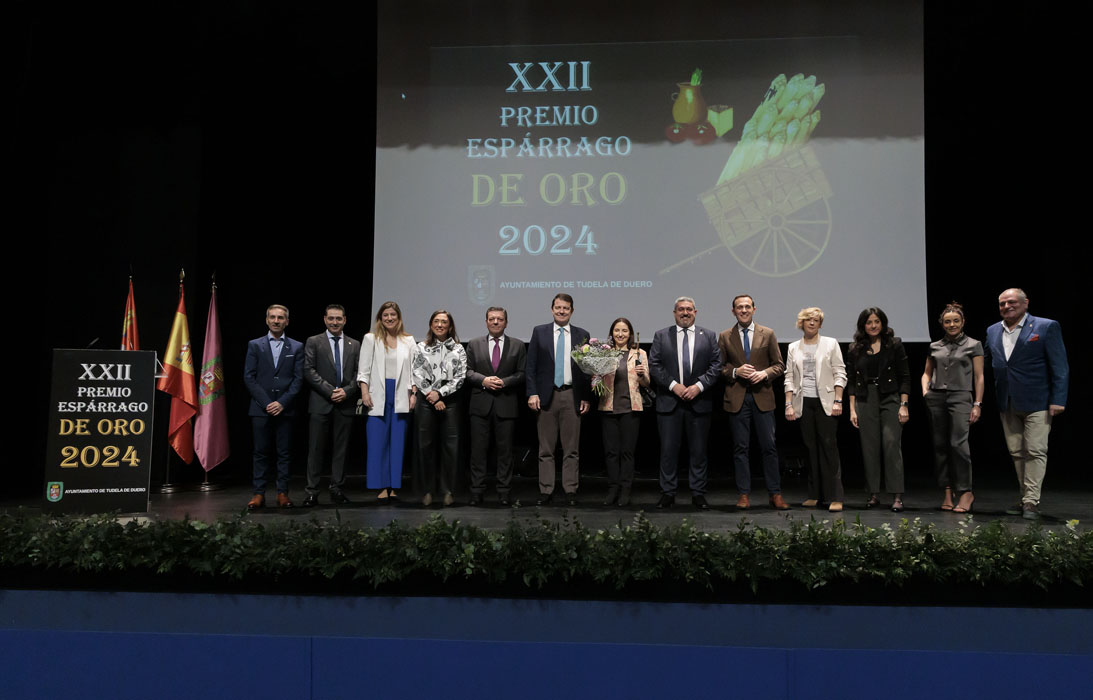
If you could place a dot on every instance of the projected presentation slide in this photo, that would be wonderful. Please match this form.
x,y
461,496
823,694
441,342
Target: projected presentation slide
x,y
628,175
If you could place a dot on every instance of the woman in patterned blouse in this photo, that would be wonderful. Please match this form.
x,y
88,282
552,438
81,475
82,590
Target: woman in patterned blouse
x,y
440,365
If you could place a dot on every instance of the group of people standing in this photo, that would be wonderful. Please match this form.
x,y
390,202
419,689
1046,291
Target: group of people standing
x,y
392,376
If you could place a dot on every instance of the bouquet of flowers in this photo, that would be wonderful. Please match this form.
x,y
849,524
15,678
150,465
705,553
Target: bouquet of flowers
x,y
596,359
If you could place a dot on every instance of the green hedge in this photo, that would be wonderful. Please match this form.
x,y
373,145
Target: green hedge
x,y
810,561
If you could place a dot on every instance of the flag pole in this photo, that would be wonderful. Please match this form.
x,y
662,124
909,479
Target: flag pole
x,y
207,485
167,486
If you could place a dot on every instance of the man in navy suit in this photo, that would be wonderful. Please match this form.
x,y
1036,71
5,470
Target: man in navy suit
x,y
558,391
685,363
495,370
273,373
1030,382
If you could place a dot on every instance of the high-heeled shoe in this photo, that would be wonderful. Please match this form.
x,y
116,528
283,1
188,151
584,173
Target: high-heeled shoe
x,y
958,508
873,501
897,505
947,504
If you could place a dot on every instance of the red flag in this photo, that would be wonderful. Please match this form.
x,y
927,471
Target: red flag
x,y
178,381
130,339
211,426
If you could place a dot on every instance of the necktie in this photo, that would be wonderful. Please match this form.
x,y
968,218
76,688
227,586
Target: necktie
x,y
559,360
495,359
338,358
686,356
747,346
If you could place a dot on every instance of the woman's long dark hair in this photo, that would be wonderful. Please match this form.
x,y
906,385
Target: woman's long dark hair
x,y
861,338
632,342
430,338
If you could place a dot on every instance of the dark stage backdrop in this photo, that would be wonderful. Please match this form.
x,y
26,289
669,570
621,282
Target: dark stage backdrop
x,y
239,138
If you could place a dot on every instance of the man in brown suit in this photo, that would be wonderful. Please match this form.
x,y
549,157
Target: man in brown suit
x,y
750,362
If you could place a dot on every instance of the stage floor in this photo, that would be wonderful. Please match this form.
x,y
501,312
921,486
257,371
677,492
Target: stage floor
x,y
1058,506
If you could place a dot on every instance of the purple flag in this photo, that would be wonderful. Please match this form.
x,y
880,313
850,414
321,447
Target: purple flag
x,y
211,426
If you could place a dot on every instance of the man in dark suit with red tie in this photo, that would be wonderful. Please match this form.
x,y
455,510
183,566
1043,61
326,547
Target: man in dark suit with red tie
x,y
273,374
330,368
559,392
685,364
495,371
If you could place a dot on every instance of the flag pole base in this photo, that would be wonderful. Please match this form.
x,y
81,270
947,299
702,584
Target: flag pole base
x,y
209,486
170,488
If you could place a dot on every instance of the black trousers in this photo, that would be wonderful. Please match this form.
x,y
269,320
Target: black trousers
x,y
818,430
438,446
620,437
950,422
502,430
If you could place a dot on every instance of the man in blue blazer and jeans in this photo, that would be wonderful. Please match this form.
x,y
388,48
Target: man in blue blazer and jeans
x,y
1030,382
273,373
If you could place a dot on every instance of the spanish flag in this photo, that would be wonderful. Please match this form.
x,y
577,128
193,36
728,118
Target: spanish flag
x,y
178,381
130,339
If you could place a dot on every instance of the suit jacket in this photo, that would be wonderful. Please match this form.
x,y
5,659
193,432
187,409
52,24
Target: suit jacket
x,y
322,376
266,383
765,355
1036,374
894,375
540,365
664,366
371,371
607,401
506,402
830,372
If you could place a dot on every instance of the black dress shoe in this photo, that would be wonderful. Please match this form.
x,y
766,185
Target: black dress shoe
x,y
571,500
505,500
338,498
311,500
476,499
666,501
700,502
624,497
544,499
612,496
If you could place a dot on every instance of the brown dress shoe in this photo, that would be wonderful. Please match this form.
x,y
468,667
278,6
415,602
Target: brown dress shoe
x,y
257,501
743,503
283,501
777,502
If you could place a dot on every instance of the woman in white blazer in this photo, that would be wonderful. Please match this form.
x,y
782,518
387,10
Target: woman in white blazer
x,y
388,392
815,378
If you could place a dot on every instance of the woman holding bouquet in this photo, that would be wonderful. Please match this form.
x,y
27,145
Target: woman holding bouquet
x,y
621,407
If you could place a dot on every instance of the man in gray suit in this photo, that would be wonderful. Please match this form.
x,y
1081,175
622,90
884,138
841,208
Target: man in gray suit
x,y
330,367
495,371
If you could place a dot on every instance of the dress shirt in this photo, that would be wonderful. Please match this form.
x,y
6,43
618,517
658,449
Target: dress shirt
x,y
751,339
953,363
679,353
567,367
499,341
277,344
341,350
1009,337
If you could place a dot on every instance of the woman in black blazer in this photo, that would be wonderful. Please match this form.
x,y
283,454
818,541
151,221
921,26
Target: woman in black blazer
x,y
880,383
